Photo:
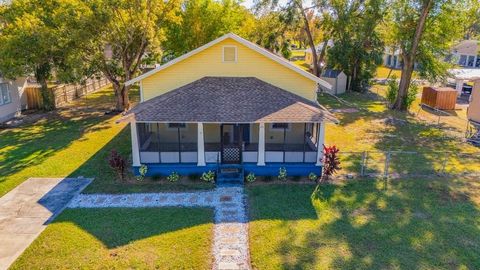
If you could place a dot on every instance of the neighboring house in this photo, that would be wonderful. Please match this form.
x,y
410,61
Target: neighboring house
x,y
319,47
392,58
467,54
12,98
228,104
337,79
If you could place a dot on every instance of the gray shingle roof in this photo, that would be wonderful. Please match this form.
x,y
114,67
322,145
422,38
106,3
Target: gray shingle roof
x,y
229,100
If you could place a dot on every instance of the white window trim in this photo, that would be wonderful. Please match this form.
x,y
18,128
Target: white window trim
x,y
223,53
2,102
280,129
175,128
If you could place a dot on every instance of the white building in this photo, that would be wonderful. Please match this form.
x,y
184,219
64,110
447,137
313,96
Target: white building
x,y
467,54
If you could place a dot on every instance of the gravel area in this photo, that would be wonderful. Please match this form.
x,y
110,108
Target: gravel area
x,y
230,245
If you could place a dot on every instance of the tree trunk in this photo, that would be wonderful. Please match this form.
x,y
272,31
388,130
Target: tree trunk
x,y
409,59
311,42
42,72
322,57
121,97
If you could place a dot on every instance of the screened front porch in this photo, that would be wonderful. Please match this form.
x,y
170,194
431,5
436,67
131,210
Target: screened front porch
x,y
205,143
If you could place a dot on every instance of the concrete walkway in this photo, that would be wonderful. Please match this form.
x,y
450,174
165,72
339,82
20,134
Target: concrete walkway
x,y
230,245
26,210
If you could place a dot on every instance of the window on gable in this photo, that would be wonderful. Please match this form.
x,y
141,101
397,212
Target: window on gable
x,y
463,60
229,54
5,94
176,125
471,60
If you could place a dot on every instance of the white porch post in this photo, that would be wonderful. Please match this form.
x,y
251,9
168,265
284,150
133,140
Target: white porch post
x,y
459,86
261,145
200,146
320,143
135,148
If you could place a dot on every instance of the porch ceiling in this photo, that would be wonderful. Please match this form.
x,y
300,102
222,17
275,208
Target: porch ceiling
x,y
230,100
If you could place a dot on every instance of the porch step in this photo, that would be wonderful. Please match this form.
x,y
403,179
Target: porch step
x,y
232,174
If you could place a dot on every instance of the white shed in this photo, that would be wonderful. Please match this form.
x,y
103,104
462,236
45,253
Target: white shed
x,y
337,79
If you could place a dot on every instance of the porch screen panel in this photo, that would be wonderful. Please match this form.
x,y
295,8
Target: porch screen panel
x,y
148,142
169,142
311,140
294,143
188,137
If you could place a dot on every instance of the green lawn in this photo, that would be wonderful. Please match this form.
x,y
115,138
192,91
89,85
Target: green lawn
x,y
152,238
74,143
407,224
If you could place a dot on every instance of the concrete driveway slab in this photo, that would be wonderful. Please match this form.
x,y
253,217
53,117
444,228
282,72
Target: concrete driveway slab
x,y
26,210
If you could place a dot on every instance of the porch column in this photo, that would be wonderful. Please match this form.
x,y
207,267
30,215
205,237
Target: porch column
x,y
261,145
459,86
135,148
200,146
320,143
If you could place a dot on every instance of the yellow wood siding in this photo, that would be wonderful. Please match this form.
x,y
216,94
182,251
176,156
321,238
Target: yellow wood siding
x,y
210,63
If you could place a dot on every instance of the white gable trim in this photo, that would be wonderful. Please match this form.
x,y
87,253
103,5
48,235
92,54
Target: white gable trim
x,y
244,42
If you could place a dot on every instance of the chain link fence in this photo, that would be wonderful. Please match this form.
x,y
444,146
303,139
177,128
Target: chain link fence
x,y
408,163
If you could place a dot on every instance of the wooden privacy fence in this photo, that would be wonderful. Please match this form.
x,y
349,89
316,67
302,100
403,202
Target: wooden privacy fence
x,y
65,93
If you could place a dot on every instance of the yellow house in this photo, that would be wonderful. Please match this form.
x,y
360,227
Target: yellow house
x,y
229,106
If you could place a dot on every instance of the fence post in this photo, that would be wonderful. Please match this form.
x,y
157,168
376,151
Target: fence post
x,y
387,164
444,163
364,163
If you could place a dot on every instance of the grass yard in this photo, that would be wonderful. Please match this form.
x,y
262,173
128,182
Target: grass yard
x,y
74,141
407,224
148,238
372,127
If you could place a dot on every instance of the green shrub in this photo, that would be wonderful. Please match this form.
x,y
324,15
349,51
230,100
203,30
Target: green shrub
x,y
282,174
251,177
392,92
173,177
208,176
312,177
142,171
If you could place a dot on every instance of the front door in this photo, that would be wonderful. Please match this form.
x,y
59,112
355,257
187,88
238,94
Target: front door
x,y
231,140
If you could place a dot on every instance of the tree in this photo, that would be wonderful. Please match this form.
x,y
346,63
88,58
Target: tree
x,y
34,41
424,30
120,35
296,10
203,21
358,47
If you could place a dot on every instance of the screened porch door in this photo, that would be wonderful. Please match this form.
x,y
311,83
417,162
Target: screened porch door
x,y
232,137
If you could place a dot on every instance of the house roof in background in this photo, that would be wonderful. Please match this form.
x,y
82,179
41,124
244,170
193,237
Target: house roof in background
x,y
470,47
282,61
230,100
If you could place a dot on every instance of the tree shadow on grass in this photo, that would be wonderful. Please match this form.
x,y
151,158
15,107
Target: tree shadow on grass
x,y
412,224
30,145
116,227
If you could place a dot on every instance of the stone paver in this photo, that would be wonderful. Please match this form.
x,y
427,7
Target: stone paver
x,y
26,210
230,245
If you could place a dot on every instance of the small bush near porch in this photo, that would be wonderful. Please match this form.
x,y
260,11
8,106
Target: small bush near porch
x,y
151,238
368,224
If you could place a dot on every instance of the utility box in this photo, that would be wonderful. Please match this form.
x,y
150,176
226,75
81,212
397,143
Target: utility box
x,y
442,98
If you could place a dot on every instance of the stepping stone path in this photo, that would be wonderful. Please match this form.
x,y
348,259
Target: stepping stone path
x,y
230,239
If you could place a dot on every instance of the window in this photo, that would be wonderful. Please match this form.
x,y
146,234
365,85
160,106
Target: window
x,y
229,54
471,60
463,60
389,60
4,94
477,63
280,126
177,125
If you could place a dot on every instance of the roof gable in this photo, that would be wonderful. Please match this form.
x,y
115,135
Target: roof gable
x,y
247,44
